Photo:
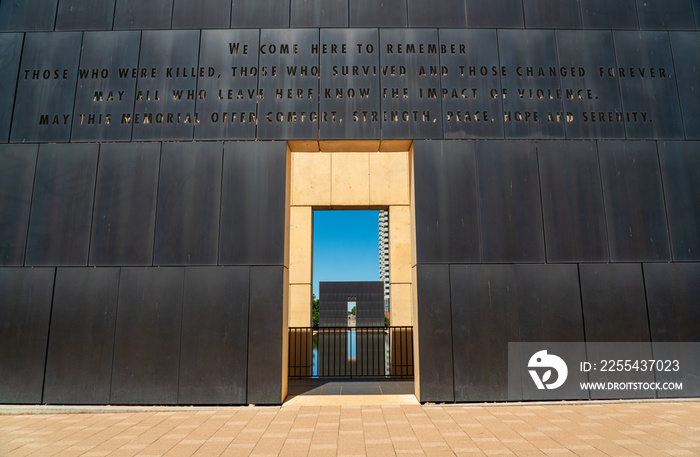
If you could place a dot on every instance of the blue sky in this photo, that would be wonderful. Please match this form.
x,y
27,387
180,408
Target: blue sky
x,y
346,246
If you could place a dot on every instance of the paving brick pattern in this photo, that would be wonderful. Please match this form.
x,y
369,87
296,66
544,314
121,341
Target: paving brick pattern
x,y
596,429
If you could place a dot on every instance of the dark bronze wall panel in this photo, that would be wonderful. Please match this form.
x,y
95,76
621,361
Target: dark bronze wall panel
x,y
147,338
25,294
542,14
189,194
666,14
468,108
222,114
124,214
17,165
634,202
267,327
27,15
255,14
537,111
349,102
549,310
509,202
64,187
680,168
103,95
46,88
614,310
495,14
370,13
136,14
319,13
199,14
446,205
333,300
81,339
434,332
214,357
650,94
549,303
443,13
11,51
613,294
370,313
595,101
167,93
289,108
672,296
253,204
411,89
484,320
686,52
572,201
604,14
85,15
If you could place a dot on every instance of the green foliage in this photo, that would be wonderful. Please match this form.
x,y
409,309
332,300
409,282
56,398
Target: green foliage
x,y
386,321
314,309
352,311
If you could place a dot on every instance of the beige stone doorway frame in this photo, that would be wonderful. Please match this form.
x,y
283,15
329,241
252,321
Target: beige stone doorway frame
x,y
350,175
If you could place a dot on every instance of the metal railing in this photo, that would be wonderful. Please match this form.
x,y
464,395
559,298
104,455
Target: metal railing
x,y
350,352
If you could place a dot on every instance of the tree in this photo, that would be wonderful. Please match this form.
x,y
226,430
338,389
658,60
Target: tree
x,y
352,311
314,309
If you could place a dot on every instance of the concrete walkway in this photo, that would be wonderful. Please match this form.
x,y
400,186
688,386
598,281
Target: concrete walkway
x,y
590,429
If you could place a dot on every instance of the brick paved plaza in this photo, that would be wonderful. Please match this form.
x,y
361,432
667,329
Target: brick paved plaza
x,y
590,429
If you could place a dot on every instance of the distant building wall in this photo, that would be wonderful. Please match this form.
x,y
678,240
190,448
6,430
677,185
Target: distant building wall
x,y
383,229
